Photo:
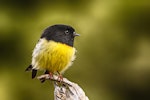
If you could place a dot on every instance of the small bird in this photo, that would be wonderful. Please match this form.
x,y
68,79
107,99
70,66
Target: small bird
x,y
54,51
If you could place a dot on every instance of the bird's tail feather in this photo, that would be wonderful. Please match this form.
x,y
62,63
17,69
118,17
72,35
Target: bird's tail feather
x,y
29,68
34,71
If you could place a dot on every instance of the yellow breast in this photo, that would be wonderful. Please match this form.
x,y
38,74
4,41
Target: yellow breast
x,y
52,56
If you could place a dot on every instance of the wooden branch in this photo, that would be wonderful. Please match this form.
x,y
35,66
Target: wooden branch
x,y
65,89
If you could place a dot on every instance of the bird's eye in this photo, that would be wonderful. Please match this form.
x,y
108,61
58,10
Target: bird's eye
x,y
66,32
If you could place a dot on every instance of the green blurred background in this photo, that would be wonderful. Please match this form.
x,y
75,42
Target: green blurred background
x,y
113,50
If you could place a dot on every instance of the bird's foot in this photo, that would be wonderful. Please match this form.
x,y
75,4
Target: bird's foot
x,y
51,75
60,78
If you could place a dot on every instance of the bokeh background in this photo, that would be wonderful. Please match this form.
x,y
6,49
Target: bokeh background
x,y
113,58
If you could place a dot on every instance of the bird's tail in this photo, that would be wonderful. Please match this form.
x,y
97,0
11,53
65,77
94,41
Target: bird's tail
x,y
29,68
34,71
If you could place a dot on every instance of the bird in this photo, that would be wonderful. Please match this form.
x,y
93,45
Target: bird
x,y
54,52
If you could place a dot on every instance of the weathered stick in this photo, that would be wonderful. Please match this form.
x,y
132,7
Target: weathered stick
x,y
65,90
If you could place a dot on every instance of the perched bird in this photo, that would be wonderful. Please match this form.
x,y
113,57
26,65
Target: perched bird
x,y
54,51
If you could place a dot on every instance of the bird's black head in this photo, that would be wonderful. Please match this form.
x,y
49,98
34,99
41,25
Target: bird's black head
x,y
60,33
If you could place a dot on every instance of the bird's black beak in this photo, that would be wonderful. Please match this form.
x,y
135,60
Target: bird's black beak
x,y
75,34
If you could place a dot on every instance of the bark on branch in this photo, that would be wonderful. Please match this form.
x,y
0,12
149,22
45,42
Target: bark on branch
x,y
65,90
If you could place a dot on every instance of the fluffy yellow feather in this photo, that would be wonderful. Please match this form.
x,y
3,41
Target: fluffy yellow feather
x,y
52,56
